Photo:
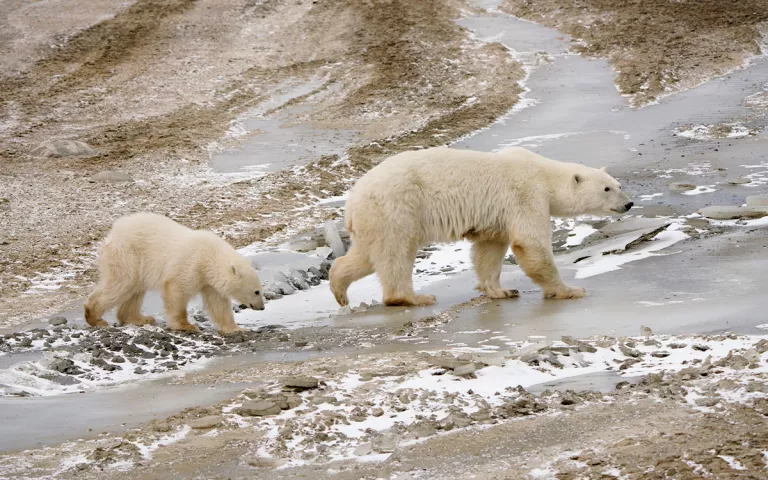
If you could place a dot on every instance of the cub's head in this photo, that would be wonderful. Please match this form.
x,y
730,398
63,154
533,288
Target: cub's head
x,y
595,192
244,286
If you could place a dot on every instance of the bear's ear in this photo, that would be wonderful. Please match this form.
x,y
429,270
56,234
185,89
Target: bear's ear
x,y
235,272
604,169
577,177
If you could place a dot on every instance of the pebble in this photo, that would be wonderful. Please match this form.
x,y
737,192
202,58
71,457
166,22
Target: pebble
x,y
209,421
660,354
377,412
55,321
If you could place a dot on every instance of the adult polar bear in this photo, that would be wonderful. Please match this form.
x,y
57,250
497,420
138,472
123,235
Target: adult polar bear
x,y
493,199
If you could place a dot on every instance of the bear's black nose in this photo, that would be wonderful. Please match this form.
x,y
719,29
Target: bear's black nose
x,y
629,205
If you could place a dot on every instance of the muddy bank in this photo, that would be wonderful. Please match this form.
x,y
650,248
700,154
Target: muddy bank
x,y
155,88
657,47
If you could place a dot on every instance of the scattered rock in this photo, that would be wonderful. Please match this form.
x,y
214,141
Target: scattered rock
x,y
260,461
681,186
757,200
646,331
761,346
732,212
628,363
110,176
55,321
422,429
660,354
676,345
364,449
300,382
260,408
284,288
707,401
377,412
570,398
333,239
384,445
629,352
298,280
59,379
300,344
739,181
63,148
700,347
463,370
210,421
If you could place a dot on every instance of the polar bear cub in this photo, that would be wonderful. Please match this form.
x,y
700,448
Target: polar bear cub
x,y
495,200
146,251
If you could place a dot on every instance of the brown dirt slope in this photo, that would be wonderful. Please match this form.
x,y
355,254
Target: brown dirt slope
x,y
657,46
151,84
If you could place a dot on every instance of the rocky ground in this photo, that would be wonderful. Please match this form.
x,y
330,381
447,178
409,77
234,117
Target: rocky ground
x,y
109,107
689,407
657,47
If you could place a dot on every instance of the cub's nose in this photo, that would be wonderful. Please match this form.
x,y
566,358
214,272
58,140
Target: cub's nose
x,y
629,205
257,307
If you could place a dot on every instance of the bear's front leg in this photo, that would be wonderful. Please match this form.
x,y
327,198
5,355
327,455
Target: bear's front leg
x,y
538,262
487,256
220,309
175,302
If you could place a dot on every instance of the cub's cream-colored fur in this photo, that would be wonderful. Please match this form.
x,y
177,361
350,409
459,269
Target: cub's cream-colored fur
x,y
440,195
146,251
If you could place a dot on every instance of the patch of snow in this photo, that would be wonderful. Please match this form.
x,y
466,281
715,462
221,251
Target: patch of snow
x,y
608,263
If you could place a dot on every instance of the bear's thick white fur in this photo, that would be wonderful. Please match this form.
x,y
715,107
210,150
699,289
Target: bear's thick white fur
x,y
146,251
440,195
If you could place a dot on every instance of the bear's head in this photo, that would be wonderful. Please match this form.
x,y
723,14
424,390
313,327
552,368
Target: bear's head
x,y
591,191
244,286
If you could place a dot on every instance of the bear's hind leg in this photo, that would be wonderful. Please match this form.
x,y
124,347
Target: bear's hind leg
x,y
129,312
538,262
176,308
487,256
220,309
106,296
347,269
394,266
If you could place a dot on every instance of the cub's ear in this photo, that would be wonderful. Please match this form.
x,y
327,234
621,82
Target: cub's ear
x,y
577,177
235,271
604,169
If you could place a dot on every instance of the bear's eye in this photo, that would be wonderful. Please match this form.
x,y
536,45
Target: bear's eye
x,y
607,189
256,292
